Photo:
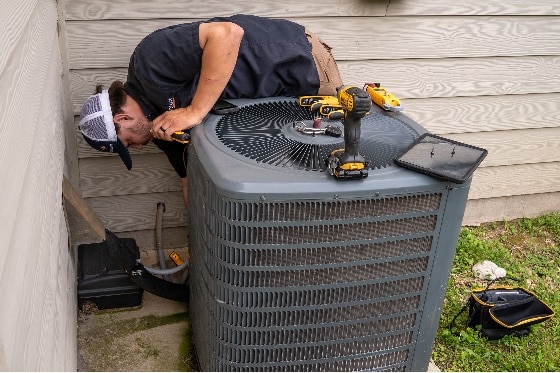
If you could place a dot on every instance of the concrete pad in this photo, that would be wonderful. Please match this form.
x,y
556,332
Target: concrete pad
x,y
432,367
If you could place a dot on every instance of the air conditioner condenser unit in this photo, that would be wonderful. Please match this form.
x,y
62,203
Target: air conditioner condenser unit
x,y
294,270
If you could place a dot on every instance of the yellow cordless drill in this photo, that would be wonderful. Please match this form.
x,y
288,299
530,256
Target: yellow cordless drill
x,y
348,163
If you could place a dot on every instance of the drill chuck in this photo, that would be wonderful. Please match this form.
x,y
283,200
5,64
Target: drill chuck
x,y
355,101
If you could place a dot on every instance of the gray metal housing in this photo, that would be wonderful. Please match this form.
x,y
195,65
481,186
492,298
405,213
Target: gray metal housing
x,y
293,270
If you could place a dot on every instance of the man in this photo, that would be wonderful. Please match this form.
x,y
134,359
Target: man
x,y
176,74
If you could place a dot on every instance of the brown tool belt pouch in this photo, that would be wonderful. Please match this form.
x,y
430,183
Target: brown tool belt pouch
x,y
505,310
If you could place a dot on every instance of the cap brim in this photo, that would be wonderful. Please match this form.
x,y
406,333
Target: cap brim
x,y
112,147
125,155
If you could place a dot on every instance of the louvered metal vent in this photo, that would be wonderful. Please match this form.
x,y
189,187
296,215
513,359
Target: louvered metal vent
x,y
295,271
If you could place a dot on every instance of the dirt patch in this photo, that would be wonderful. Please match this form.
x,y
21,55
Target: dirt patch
x,y
152,337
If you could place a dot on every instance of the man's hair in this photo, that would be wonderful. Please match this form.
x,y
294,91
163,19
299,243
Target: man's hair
x,y
117,98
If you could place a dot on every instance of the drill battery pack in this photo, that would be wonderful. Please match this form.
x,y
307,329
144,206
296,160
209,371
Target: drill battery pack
x,y
101,280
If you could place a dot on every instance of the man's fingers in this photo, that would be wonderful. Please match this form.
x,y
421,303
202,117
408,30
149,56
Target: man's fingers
x,y
161,127
172,121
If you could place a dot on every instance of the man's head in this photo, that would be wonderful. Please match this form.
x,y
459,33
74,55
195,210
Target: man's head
x,y
112,121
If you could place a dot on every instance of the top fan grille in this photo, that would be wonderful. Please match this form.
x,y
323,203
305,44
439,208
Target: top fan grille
x,y
265,133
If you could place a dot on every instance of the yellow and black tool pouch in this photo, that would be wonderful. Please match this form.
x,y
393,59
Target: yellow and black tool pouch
x,y
501,311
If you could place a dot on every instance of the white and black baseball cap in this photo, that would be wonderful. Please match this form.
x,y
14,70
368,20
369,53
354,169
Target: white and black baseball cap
x,y
98,128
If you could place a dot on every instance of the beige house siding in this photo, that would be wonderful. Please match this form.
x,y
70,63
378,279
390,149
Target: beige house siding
x,y
486,73
483,72
37,272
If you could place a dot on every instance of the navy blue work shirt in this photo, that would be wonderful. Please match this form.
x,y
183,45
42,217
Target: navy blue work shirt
x,y
274,60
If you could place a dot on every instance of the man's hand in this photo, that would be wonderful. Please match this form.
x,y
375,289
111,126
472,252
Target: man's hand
x,y
175,120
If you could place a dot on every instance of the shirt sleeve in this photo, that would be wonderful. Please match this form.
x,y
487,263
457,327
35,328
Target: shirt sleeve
x,y
167,62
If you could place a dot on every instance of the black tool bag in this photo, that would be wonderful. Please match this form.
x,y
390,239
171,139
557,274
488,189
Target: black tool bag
x,y
504,310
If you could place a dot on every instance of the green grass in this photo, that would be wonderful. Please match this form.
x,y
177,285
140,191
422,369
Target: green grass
x,y
528,249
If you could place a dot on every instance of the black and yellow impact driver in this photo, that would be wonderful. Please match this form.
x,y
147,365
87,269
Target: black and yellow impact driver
x,y
348,163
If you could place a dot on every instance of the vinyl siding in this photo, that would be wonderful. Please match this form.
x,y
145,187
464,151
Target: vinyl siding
x,y
37,270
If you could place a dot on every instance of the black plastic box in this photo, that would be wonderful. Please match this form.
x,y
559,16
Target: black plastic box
x,y
101,280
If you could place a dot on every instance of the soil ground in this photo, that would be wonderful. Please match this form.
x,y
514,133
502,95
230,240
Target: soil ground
x,y
151,337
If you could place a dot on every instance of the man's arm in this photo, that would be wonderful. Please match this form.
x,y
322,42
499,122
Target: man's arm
x,y
220,43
